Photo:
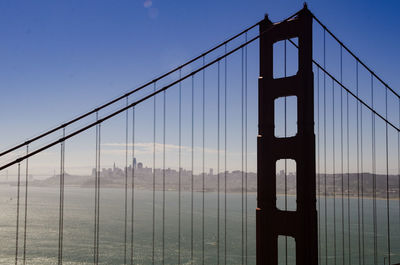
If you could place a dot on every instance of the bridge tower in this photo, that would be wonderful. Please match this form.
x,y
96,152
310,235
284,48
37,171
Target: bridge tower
x,y
300,224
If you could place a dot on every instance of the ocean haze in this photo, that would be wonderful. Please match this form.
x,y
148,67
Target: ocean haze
x,y
42,227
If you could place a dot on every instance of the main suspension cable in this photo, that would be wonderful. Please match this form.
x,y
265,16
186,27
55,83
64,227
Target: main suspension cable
x,y
355,57
349,92
226,54
180,67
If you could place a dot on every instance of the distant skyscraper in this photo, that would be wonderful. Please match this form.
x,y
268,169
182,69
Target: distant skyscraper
x,y
134,162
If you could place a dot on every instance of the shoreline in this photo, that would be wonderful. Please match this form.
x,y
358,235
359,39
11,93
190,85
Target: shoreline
x,y
208,191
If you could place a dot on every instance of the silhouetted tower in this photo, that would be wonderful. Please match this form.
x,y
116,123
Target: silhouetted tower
x,y
271,221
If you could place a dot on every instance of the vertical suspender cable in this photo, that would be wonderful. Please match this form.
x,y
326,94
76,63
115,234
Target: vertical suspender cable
x,y
333,170
154,174
245,145
163,192
398,164
63,189
362,187
358,171
362,179
133,182
242,152
59,208
26,205
218,162
17,226
95,192
373,174
126,181
285,134
180,168
319,168
387,179
225,153
192,178
61,202
63,184
348,176
341,152
325,189
98,196
203,164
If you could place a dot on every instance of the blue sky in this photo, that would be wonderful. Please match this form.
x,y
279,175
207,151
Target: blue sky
x,y
60,59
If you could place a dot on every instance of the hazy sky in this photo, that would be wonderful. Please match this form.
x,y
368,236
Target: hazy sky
x,y
60,59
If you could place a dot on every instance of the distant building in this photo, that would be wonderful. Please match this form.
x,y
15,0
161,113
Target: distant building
x,y
134,162
140,165
211,172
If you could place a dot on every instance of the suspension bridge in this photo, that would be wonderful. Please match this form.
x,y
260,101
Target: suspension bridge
x,y
277,146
